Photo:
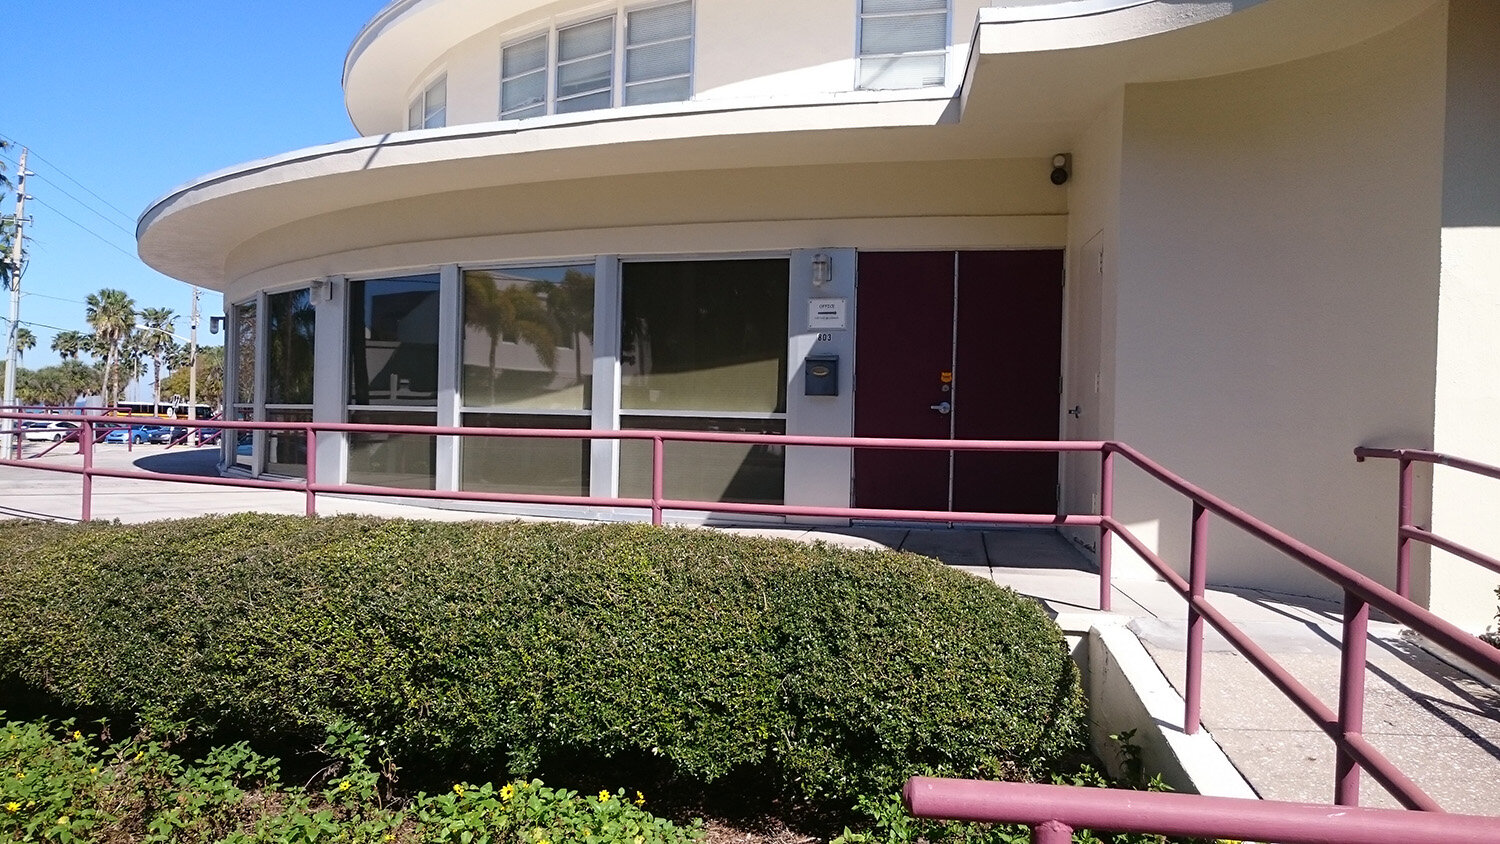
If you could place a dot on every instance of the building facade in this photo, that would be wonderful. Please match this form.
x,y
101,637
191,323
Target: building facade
x,y
1243,236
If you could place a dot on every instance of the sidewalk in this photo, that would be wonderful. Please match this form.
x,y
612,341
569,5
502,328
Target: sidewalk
x,y
1441,726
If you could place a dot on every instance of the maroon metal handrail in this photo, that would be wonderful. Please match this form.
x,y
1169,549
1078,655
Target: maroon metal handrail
x,y
1345,727
1407,530
1054,811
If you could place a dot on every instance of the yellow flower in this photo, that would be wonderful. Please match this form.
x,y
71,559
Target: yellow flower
x,y
603,796
62,821
344,786
77,735
21,776
94,770
639,839
507,792
640,799
139,755
458,788
12,807
389,837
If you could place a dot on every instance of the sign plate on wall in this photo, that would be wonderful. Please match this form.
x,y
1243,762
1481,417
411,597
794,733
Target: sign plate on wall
x,y
827,314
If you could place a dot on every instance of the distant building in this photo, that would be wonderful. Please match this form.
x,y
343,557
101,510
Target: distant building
x,y
1278,222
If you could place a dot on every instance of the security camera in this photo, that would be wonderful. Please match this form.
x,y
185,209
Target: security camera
x,y
1062,168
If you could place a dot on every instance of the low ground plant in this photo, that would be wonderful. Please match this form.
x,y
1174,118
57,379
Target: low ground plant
x,y
61,785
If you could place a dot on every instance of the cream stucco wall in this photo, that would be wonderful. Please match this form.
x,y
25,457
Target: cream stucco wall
x,y
1275,304
947,204
1468,385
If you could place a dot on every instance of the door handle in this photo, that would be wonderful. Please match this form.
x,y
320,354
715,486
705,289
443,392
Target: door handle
x,y
1076,412
943,407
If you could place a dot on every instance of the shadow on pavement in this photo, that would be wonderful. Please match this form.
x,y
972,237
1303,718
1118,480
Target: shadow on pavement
x,y
197,461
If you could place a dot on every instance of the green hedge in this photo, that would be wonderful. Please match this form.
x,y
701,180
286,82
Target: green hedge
x,y
508,645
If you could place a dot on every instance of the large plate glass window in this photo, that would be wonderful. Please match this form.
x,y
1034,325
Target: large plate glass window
x,y
585,66
393,365
704,348
528,359
523,78
902,43
429,110
659,54
290,324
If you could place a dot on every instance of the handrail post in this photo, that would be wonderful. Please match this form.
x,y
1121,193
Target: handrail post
x,y
312,470
1197,586
1106,512
658,459
1403,521
1052,832
1351,696
86,445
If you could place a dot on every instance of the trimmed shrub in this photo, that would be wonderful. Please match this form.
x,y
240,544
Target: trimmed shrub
x,y
509,645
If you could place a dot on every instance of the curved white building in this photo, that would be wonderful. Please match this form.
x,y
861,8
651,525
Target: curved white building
x,y
1244,236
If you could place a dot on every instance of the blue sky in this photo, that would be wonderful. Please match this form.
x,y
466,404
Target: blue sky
x,y
122,102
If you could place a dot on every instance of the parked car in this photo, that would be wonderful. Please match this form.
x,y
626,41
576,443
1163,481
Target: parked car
x,y
54,431
157,433
132,434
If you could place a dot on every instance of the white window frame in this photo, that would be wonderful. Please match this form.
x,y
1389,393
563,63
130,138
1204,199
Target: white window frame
x,y
859,40
418,105
620,46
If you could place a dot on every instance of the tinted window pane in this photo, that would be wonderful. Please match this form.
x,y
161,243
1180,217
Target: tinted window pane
x,y
393,326
408,461
667,91
704,335
753,474
536,465
671,58
286,451
659,23
244,353
904,34
528,337
525,92
289,348
586,39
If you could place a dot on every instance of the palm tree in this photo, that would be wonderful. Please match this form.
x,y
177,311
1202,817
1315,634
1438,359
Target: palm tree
x,y
512,311
155,339
111,313
24,340
69,344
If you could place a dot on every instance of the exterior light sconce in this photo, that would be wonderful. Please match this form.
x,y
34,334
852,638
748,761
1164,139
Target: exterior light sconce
x,y
1062,168
822,269
322,289
213,324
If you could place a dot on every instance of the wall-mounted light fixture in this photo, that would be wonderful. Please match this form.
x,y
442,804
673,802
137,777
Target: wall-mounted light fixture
x,y
822,269
213,324
1062,168
322,289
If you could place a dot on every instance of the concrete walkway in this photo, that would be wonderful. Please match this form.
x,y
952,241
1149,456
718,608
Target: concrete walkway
x,y
1440,725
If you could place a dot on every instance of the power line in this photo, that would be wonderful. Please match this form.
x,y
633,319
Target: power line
x,y
64,174
95,211
87,229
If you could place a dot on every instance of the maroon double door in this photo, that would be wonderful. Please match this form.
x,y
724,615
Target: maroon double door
x,y
958,345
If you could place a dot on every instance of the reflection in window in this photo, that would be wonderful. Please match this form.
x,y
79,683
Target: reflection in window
x,y
747,474
286,451
528,337
408,461
289,348
244,353
542,466
704,335
393,327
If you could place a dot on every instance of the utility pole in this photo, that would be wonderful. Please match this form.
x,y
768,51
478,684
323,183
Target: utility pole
x,y
196,433
14,276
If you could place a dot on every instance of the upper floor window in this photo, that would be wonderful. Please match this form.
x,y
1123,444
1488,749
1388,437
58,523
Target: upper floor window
x,y
902,43
578,67
659,54
430,108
